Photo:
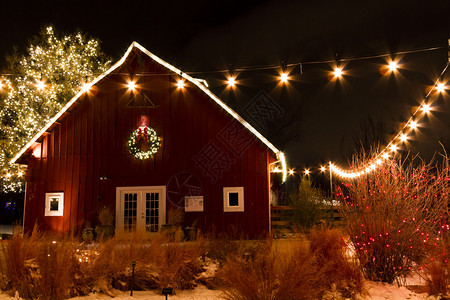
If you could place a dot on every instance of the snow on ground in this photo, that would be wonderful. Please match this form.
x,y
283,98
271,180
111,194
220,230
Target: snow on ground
x,y
376,291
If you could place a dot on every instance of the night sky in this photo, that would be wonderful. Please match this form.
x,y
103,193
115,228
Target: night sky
x,y
316,120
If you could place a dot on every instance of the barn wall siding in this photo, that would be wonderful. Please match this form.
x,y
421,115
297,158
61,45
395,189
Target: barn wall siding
x,y
91,141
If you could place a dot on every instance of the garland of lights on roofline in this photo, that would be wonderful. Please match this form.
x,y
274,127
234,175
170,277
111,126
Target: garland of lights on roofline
x,y
391,67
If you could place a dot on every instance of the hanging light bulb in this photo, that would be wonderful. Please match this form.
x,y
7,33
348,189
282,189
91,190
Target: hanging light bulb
x,y
338,72
426,108
441,87
132,85
413,125
231,82
180,84
393,148
392,66
403,137
284,77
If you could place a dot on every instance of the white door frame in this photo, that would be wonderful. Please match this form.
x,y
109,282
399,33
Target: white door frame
x,y
140,189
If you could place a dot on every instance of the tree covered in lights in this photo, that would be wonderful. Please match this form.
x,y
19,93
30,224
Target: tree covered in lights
x,y
37,86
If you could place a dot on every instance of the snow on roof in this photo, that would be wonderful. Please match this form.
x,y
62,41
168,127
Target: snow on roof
x,y
197,82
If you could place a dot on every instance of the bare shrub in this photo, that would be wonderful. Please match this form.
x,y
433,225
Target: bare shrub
x,y
392,214
329,248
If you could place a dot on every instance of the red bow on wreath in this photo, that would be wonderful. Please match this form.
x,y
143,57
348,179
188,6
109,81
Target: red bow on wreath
x,y
142,132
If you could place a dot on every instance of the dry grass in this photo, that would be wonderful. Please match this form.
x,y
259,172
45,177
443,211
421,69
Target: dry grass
x,y
329,248
159,262
56,261
20,266
269,275
286,269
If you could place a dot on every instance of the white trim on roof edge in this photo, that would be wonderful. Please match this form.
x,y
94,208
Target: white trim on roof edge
x,y
280,155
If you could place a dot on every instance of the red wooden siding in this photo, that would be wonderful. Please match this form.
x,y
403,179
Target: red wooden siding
x,y
91,141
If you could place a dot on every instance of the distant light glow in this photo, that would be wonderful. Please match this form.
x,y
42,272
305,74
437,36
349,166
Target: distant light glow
x,y
37,151
393,148
291,172
385,155
180,83
441,87
276,170
307,172
284,77
8,175
323,169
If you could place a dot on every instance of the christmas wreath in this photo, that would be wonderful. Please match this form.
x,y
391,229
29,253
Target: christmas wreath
x,y
149,136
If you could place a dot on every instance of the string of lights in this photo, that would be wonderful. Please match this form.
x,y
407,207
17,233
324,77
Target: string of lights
x,y
271,66
401,137
392,65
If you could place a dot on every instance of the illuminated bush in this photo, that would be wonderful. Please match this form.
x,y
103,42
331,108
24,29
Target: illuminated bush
x,y
394,216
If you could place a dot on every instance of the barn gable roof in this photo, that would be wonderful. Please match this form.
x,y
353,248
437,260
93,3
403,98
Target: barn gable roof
x,y
61,114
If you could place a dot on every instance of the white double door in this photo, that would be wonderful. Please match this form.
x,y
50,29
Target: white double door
x,y
140,208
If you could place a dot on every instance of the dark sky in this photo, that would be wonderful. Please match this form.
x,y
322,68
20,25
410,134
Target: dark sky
x,y
317,120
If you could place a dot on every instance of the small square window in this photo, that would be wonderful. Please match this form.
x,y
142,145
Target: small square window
x,y
54,204
233,199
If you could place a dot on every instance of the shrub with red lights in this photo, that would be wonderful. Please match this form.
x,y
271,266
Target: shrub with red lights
x,y
397,216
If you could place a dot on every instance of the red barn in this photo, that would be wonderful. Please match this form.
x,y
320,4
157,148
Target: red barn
x,y
143,138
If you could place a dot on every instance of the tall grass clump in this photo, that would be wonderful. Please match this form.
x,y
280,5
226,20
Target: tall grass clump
x,y
159,262
393,216
56,261
272,275
293,269
20,268
341,271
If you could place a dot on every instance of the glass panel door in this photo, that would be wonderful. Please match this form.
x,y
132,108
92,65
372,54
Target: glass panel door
x,y
130,211
151,211
140,208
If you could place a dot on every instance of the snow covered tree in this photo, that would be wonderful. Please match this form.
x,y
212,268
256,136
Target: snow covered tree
x,y
37,86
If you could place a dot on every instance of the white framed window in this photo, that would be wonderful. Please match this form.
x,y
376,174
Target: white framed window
x,y
233,199
54,204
